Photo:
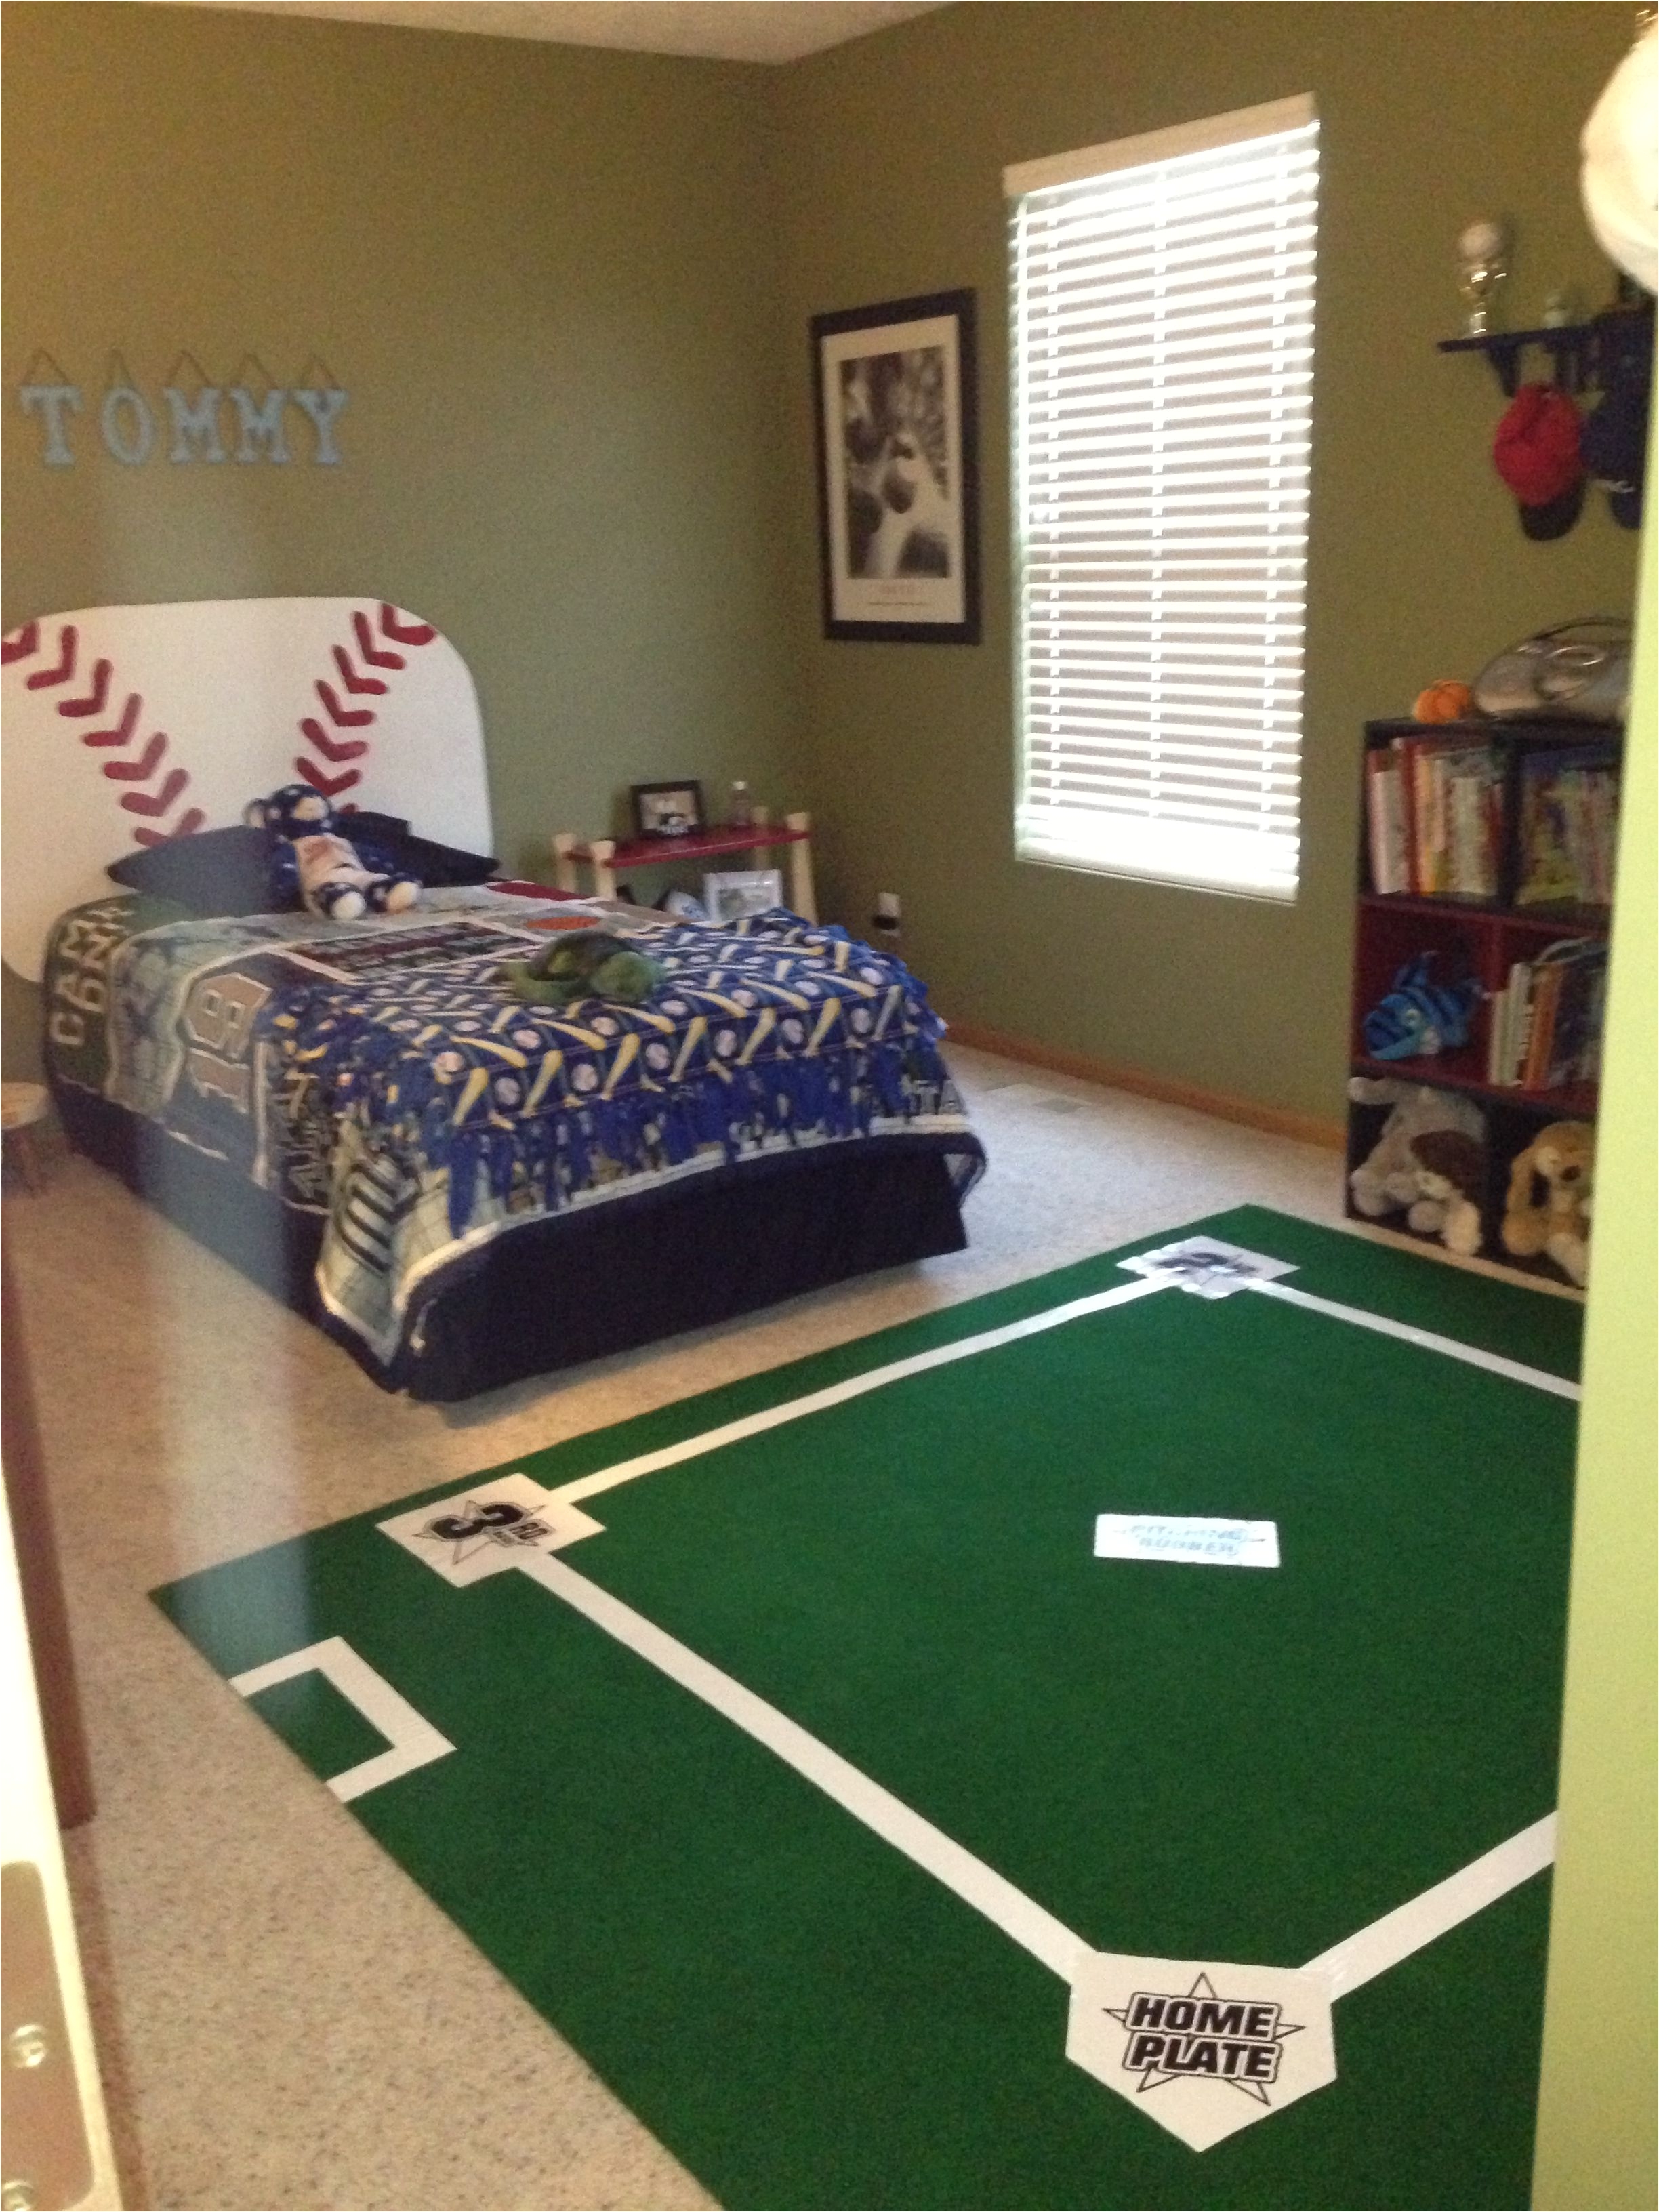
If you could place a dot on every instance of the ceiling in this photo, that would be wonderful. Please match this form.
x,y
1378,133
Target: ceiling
x,y
722,30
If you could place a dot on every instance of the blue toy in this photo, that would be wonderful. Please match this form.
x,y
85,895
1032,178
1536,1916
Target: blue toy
x,y
312,865
1418,1018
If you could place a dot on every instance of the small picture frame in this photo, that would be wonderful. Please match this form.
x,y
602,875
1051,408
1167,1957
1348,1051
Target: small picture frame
x,y
668,810
741,891
898,471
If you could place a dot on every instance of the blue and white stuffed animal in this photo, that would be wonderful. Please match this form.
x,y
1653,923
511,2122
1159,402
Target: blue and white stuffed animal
x,y
312,862
1419,1017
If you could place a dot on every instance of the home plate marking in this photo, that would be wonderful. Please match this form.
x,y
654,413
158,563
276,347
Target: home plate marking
x,y
1201,2046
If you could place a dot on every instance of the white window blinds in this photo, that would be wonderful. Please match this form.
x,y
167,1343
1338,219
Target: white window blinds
x,y
1162,312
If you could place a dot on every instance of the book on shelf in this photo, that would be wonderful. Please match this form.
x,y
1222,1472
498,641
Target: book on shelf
x,y
1574,1048
1385,821
1517,1022
1544,1027
1546,996
1434,817
1498,1015
1569,817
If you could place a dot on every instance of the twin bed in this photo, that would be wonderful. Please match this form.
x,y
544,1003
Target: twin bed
x,y
461,1188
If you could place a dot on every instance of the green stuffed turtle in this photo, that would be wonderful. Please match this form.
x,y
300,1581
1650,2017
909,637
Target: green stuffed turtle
x,y
591,964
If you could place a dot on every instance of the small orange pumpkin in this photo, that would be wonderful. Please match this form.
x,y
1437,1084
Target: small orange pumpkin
x,y
1445,702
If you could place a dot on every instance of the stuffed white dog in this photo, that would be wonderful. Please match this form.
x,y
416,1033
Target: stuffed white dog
x,y
1390,1181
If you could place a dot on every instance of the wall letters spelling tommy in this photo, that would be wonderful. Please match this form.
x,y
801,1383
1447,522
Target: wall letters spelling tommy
x,y
207,422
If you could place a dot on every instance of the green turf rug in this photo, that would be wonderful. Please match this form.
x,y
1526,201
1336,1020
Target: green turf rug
x,y
881,1844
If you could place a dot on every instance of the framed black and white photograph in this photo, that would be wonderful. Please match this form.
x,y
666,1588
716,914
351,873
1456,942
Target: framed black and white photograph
x,y
667,810
740,892
898,490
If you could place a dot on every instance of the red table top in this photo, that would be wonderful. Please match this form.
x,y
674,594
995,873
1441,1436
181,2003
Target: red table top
x,y
521,887
707,844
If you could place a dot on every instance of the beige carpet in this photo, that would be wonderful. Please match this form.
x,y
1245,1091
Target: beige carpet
x,y
284,2020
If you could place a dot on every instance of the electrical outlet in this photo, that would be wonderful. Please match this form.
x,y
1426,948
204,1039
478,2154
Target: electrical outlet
x,y
885,920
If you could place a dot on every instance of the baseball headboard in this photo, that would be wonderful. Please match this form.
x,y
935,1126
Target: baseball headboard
x,y
130,725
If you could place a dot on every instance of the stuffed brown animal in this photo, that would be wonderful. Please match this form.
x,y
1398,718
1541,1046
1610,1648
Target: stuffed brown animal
x,y
1549,1199
1449,1170
1386,1182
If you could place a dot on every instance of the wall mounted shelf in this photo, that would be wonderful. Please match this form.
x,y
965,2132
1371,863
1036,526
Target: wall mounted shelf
x,y
1579,353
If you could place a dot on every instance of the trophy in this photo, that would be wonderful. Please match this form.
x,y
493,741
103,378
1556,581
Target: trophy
x,y
1483,250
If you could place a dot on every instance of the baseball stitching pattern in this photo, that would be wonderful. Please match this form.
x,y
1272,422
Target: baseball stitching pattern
x,y
141,768
144,767
322,733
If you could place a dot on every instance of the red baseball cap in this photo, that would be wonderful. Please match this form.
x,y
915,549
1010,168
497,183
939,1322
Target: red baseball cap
x,y
1536,453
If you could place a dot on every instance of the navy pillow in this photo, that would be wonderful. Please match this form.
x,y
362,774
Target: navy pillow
x,y
214,871
445,865
226,872
440,865
377,829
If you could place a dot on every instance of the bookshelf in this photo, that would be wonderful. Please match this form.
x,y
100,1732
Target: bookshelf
x,y
1526,872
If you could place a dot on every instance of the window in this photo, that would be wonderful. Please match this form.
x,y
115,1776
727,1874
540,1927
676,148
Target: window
x,y
1163,310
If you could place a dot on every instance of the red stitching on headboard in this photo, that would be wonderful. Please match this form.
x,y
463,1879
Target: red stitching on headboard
x,y
405,632
145,802
332,750
121,734
43,679
186,826
118,737
367,648
329,785
94,702
139,768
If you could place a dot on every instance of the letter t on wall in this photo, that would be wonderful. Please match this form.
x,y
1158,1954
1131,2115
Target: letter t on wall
x,y
50,401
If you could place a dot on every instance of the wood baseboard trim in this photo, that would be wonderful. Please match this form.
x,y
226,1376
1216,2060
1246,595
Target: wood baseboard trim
x,y
1277,1121
1425,1249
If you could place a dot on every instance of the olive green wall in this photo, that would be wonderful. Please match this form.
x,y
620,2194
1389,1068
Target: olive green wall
x,y
541,272
569,290
1429,117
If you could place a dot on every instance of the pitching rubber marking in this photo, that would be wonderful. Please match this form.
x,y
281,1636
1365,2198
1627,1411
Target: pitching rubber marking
x,y
838,1394
1383,1944
414,1741
1493,1362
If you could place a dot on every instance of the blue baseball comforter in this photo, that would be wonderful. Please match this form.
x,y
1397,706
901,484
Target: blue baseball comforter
x,y
376,1074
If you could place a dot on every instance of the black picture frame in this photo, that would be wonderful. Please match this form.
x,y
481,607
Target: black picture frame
x,y
653,808
895,407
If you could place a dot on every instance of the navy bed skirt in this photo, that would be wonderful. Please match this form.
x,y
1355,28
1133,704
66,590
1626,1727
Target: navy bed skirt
x,y
572,1286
